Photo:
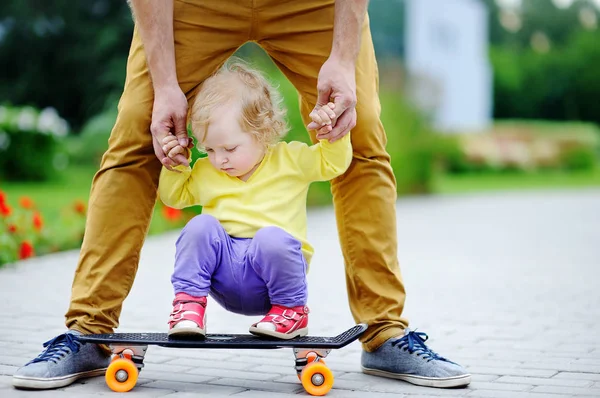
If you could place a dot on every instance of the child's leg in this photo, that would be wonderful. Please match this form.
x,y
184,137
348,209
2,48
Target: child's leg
x,y
202,246
277,258
201,249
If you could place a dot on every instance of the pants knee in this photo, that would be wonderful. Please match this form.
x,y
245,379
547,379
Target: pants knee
x,y
368,136
132,124
202,226
274,242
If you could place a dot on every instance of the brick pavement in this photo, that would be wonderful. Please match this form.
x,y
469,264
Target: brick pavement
x,y
505,284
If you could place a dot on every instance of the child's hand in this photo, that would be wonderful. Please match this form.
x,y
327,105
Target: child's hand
x,y
323,116
172,148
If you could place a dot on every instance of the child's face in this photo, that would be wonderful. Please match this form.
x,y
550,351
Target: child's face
x,y
229,148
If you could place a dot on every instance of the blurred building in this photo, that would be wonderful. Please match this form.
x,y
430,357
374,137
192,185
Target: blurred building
x,y
444,46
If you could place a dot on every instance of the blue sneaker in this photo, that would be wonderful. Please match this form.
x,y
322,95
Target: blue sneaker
x,y
63,361
408,358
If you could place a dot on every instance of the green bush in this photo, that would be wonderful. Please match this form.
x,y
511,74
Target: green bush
x,y
579,158
31,144
411,144
560,84
449,155
92,142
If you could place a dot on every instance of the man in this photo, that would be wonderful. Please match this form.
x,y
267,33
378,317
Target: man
x,y
176,45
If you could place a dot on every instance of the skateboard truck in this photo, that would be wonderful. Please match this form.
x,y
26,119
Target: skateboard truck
x,y
305,356
135,353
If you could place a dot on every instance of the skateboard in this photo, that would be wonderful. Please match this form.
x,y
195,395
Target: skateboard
x,y
128,351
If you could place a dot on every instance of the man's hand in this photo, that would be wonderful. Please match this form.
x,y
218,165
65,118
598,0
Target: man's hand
x,y
336,83
169,115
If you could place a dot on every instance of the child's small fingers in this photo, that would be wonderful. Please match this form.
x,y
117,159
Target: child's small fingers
x,y
329,110
176,151
168,139
331,114
166,147
170,145
325,119
314,115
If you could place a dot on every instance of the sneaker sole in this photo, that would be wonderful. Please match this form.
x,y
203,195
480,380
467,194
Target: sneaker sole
x,y
40,383
438,382
284,336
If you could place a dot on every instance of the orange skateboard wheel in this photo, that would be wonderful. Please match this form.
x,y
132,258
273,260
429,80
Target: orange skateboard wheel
x,y
311,357
316,378
121,375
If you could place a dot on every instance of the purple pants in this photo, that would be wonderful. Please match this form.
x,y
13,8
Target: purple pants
x,y
245,276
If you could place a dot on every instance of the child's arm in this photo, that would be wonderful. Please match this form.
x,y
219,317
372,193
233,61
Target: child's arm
x,y
178,188
324,161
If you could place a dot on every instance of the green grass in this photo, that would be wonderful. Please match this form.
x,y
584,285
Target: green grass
x,y
53,196
57,197
450,184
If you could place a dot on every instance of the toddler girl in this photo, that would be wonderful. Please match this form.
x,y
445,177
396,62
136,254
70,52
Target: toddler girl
x,y
248,248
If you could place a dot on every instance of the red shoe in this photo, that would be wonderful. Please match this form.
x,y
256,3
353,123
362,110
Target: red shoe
x,y
283,323
188,317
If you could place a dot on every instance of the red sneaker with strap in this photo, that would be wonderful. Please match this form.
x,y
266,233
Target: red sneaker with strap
x,y
188,317
283,322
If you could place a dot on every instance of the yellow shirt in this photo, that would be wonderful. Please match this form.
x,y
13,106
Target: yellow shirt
x,y
274,195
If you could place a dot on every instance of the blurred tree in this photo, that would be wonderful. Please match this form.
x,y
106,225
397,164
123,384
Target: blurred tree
x,y
387,27
497,34
545,60
67,54
72,55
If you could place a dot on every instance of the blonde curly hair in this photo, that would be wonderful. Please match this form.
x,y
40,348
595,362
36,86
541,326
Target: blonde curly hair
x,y
262,112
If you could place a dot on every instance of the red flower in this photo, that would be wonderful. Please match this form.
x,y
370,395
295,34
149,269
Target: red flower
x,y
38,223
12,228
172,214
2,197
26,202
5,209
79,207
26,250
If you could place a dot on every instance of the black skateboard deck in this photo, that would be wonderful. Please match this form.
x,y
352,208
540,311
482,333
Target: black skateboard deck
x,y
129,350
242,341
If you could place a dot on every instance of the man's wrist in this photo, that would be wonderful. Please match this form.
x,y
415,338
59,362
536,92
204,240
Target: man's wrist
x,y
348,23
165,85
154,20
343,58
163,75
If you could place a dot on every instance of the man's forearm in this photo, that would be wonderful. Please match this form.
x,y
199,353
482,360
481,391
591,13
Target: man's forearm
x,y
349,18
154,20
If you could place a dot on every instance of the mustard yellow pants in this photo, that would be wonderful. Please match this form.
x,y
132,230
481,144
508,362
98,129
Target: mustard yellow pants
x,y
298,36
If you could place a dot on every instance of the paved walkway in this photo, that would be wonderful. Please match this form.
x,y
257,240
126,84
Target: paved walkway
x,y
505,284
